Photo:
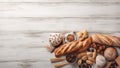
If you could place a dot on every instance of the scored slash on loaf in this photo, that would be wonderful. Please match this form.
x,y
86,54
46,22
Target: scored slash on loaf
x,y
85,50
106,39
72,47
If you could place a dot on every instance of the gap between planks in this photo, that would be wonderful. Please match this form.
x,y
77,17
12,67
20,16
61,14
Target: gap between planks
x,y
107,3
102,17
59,1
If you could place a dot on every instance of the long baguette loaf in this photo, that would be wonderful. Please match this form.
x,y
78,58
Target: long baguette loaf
x,y
72,47
106,39
86,44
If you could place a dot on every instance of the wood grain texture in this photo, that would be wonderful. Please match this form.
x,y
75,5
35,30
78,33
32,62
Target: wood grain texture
x,y
59,1
28,39
27,64
25,54
26,50
59,10
31,65
25,26
60,24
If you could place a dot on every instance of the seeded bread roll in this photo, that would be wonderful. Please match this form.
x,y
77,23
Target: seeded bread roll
x,y
110,53
55,39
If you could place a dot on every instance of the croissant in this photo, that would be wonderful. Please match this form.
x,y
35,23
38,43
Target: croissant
x,y
72,47
106,39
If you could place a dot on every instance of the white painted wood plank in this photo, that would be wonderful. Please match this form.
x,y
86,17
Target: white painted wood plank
x,y
27,65
10,65
58,10
23,39
24,55
60,24
59,0
27,58
31,65
33,39
34,32
38,64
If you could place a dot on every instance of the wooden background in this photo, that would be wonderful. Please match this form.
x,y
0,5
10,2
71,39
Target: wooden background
x,y
25,26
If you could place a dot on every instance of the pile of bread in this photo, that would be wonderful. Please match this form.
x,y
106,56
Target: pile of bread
x,y
84,50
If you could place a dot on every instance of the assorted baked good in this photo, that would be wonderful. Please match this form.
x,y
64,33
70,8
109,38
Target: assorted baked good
x,y
100,61
110,53
55,39
69,37
84,50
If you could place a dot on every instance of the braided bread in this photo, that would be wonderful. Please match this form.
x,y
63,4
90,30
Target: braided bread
x,y
72,47
106,39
